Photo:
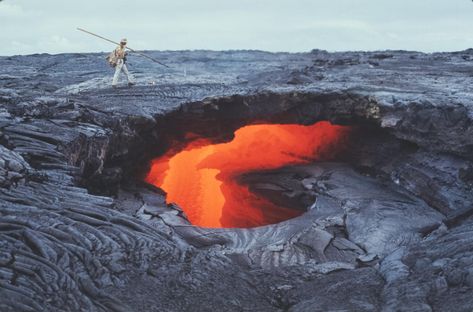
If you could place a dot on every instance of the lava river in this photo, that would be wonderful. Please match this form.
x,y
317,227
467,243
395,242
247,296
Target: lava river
x,y
202,177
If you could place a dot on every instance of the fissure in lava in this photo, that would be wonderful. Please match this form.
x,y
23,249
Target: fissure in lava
x,y
201,178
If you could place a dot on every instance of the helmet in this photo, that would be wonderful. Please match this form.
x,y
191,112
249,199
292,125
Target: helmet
x,y
124,41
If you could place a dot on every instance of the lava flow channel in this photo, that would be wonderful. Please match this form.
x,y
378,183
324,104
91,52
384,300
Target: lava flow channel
x,y
201,178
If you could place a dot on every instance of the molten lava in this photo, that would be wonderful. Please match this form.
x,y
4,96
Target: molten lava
x,y
201,178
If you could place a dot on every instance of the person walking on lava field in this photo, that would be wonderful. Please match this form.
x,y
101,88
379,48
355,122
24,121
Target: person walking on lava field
x,y
118,58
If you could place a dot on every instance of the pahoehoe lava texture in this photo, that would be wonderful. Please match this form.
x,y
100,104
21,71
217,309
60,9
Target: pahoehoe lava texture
x,y
391,228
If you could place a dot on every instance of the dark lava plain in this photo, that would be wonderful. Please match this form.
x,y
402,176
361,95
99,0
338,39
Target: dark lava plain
x,y
389,222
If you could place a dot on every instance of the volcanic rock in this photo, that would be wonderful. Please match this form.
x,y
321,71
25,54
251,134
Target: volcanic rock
x,y
388,223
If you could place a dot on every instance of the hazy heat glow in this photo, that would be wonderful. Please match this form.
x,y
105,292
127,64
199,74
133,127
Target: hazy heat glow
x,y
201,177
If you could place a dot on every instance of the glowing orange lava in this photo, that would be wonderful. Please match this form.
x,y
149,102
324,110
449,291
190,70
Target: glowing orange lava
x,y
201,177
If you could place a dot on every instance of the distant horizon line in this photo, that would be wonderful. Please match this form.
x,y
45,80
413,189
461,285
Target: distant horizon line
x,y
250,50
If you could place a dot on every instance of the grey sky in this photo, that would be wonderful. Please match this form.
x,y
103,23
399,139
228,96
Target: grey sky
x,y
38,26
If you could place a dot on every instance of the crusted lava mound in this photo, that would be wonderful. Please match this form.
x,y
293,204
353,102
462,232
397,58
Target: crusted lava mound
x,y
385,223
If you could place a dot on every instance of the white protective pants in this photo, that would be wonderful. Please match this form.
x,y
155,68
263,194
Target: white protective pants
x,y
121,66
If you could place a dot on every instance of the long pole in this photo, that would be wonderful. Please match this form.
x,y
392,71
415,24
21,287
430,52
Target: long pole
x,y
134,51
